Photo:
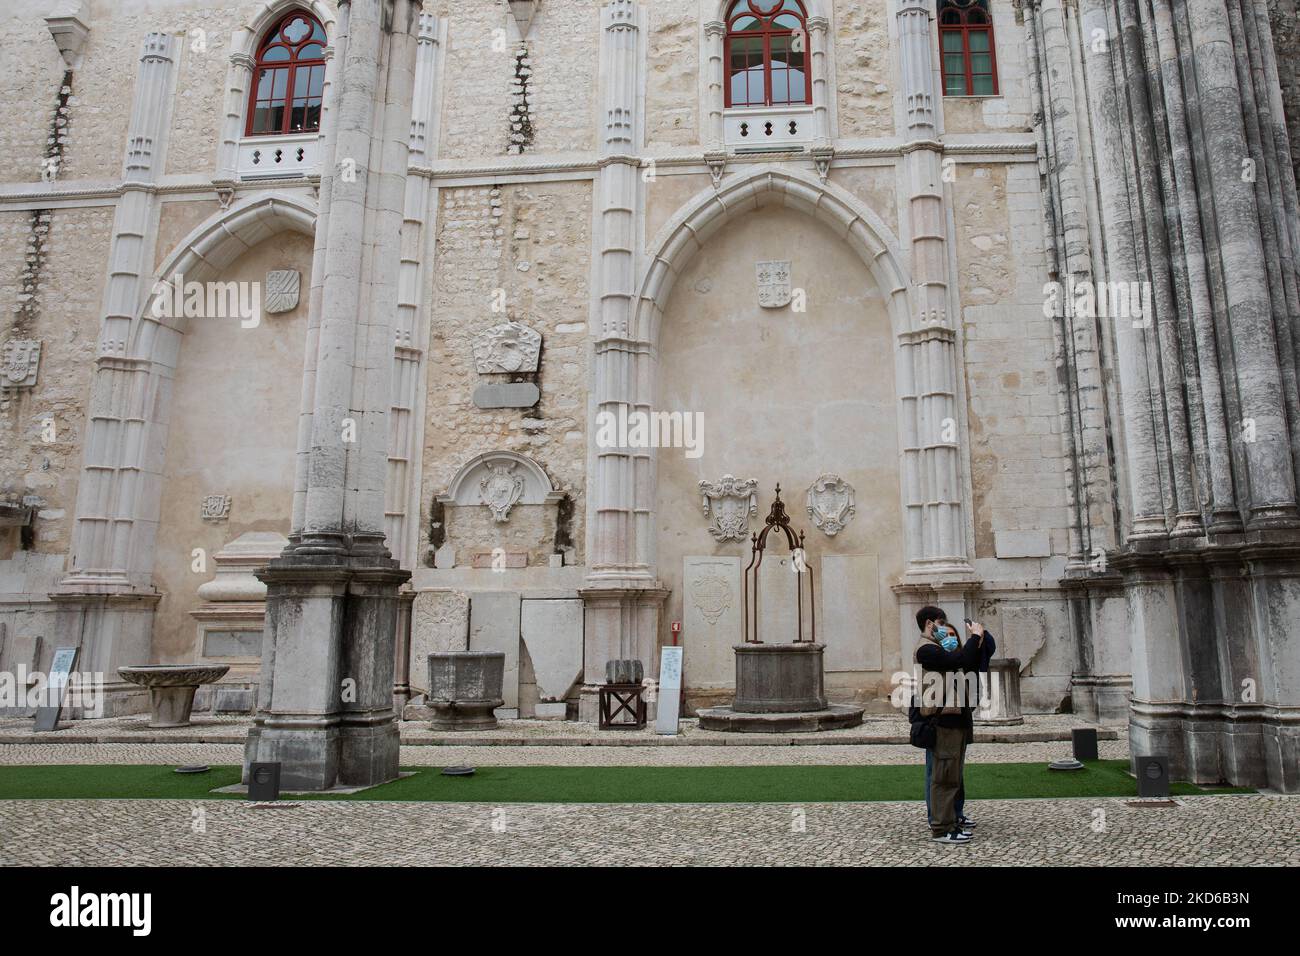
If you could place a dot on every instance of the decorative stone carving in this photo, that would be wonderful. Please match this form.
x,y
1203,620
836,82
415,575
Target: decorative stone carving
x,y
215,508
730,503
22,359
711,594
500,489
523,11
831,504
773,283
490,479
508,347
282,290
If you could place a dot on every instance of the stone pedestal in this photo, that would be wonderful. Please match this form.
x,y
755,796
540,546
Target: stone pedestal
x,y
325,698
465,688
1000,694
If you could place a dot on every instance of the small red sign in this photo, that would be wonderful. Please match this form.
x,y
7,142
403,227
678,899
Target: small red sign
x,y
677,627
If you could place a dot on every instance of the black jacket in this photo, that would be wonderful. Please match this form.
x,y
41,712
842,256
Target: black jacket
x,y
973,658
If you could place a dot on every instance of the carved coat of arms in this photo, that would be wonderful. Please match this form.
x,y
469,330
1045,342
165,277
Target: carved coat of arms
x,y
500,489
730,503
711,595
831,504
508,347
774,283
22,359
215,508
283,287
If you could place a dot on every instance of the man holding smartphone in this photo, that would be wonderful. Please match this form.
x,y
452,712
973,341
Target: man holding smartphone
x,y
940,654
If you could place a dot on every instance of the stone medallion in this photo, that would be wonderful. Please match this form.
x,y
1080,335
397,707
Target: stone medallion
x,y
500,489
830,503
730,503
508,347
773,283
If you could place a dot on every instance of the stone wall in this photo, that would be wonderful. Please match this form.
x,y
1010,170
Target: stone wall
x,y
532,243
486,83
864,69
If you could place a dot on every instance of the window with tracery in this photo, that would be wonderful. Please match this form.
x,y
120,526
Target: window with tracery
x,y
288,78
966,48
766,52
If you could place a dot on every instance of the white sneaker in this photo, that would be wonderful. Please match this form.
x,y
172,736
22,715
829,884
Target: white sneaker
x,y
954,838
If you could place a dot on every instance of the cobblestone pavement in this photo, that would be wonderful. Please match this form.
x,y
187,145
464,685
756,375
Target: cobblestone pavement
x,y
1212,830
574,756
233,729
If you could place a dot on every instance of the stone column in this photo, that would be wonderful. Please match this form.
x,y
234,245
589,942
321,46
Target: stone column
x,y
716,77
1270,481
108,596
407,431
818,28
927,357
621,584
232,123
325,704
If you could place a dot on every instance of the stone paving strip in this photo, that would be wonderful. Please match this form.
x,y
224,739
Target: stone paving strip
x,y
882,729
1251,830
581,756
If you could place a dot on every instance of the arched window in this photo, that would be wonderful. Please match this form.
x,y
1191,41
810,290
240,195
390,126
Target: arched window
x,y
766,53
966,43
289,76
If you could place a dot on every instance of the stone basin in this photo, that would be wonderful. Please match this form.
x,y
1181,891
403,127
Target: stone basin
x,y
171,688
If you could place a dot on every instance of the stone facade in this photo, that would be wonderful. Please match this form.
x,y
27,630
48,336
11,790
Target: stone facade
x,y
1115,497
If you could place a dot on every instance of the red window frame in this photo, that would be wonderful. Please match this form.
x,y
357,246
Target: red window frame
x,y
766,11
270,40
964,17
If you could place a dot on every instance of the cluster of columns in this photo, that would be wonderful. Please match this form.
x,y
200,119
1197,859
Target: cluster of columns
x,y
325,705
106,600
622,596
926,364
1173,112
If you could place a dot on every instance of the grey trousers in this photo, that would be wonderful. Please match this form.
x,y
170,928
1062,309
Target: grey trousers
x,y
945,781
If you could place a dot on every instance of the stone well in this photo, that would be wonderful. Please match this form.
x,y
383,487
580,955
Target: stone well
x,y
780,689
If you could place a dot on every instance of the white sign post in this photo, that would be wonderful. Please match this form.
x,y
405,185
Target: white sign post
x,y
670,690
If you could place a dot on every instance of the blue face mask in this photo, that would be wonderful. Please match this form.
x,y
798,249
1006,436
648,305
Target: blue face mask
x,y
946,638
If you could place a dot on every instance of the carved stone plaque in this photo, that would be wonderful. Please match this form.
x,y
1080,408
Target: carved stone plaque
x,y
773,283
831,504
282,290
215,508
22,359
500,488
508,347
730,503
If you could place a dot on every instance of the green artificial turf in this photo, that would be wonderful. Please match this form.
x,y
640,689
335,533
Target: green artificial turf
x,y
816,784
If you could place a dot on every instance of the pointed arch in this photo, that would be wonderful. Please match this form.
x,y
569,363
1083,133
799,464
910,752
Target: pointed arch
x,y
931,428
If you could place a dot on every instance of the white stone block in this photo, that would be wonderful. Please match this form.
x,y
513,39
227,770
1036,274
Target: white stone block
x,y
552,632
494,626
711,622
1022,544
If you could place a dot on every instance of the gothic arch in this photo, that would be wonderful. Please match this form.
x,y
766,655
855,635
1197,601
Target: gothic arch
x,y
931,427
128,415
